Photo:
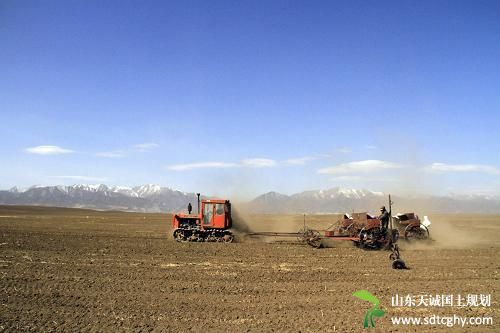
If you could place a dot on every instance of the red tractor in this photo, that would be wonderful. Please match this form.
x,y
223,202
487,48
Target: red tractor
x,y
212,224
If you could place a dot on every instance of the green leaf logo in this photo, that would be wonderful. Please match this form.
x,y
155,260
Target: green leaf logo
x,y
374,311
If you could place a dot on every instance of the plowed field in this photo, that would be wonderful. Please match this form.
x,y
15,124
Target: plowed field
x,y
85,271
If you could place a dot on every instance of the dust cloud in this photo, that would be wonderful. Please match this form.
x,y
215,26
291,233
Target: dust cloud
x,y
454,232
447,234
242,222
245,223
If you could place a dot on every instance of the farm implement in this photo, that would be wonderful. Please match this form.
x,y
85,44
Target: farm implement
x,y
362,229
370,238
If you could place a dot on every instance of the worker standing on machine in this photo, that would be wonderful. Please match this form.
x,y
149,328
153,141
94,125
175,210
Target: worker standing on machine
x,y
384,220
190,208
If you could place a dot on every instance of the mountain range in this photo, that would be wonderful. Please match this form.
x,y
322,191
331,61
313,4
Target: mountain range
x,y
337,200
153,198
145,198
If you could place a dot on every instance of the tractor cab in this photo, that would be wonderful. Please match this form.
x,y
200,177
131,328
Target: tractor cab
x,y
214,214
212,223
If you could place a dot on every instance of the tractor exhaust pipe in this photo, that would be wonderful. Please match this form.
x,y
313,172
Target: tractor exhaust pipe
x,y
198,196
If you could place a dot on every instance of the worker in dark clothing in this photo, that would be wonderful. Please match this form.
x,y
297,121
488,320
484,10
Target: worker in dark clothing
x,y
190,208
384,219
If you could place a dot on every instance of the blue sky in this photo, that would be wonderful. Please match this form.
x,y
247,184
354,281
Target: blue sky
x,y
237,98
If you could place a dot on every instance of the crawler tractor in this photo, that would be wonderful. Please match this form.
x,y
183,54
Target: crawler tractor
x,y
211,224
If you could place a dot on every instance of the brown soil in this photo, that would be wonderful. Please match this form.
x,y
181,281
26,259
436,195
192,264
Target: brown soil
x,y
78,270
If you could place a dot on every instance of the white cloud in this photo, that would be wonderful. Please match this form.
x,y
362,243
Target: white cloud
x,y
202,165
145,147
480,168
84,178
346,178
48,150
360,166
300,160
140,148
111,154
304,159
249,163
344,150
370,147
258,162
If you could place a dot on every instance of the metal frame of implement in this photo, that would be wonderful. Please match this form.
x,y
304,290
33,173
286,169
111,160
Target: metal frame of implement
x,y
314,238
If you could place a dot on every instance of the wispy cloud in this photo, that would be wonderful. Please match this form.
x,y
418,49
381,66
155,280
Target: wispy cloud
x,y
82,178
202,165
478,168
366,166
344,150
145,147
346,178
370,147
248,163
300,160
112,154
48,150
137,148
305,159
258,162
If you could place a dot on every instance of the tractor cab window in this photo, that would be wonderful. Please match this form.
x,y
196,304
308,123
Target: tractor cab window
x,y
207,213
219,209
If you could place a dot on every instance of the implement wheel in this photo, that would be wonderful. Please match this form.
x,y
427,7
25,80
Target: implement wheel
x,y
399,264
416,232
313,238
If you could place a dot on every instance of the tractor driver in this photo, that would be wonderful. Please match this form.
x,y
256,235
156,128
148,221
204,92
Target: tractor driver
x,y
384,219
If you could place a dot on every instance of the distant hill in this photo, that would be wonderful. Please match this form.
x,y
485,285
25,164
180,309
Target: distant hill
x,y
145,198
153,198
322,201
338,200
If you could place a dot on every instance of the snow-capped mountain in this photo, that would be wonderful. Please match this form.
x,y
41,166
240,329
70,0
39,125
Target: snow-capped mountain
x,y
337,200
85,187
142,191
128,191
145,191
338,192
147,198
331,200
154,198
